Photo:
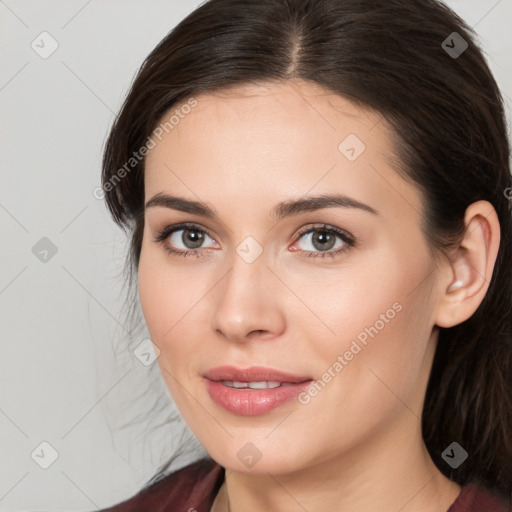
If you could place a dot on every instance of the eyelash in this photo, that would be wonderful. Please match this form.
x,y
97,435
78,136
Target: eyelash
x,y
348,240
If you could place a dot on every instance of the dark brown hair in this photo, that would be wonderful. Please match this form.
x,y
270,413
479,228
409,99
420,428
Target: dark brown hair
x,y
451,141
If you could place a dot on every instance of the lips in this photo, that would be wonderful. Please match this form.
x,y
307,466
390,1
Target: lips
x,y
253,374
229,388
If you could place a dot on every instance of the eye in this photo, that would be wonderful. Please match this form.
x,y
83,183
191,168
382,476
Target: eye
x,y
188,235
192,237
323,239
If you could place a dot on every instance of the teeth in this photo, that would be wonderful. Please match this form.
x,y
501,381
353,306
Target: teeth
x,y
252,385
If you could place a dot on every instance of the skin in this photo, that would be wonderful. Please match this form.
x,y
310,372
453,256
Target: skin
x,y
357,444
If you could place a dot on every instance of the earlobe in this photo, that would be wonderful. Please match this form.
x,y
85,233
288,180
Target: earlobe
x,y
470,273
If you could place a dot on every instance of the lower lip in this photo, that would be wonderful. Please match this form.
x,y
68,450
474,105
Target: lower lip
x,y
252,402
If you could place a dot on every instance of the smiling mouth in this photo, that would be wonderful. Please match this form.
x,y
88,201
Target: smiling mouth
x,y
253,398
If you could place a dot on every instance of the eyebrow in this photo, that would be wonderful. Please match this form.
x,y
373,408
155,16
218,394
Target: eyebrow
x,y
282,210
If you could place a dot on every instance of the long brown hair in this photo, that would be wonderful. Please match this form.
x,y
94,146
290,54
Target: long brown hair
x,y
402,59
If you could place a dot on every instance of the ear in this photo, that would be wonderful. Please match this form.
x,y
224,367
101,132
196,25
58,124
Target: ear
x,y
466,277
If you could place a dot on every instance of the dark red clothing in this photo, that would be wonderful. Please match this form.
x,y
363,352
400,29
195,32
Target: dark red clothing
x,y
194,487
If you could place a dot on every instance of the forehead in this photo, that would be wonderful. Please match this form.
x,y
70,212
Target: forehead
x,y
272,141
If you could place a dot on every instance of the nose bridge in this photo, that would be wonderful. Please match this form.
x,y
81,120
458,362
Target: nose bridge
x,y
246,299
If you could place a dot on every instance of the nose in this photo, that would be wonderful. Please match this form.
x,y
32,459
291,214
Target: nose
x,y
247,302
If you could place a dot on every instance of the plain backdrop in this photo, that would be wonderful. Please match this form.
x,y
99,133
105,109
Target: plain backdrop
x,y
74,399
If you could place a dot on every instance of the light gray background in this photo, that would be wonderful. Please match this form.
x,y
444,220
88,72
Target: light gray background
x,y
61,320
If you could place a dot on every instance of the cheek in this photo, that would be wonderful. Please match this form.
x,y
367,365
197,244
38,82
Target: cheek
x,y
371,372
370,325
346,302
171,305
154,298
161,301
164,292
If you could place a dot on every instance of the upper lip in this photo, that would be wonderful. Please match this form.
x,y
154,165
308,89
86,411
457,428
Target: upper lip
x,y
252,374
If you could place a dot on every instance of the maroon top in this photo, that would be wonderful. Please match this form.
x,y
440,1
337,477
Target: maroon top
x,y
193,488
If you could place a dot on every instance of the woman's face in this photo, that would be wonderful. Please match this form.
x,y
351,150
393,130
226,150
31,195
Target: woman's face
x,y
271,285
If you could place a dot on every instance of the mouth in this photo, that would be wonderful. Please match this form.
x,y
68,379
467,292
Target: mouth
x,y
252,391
